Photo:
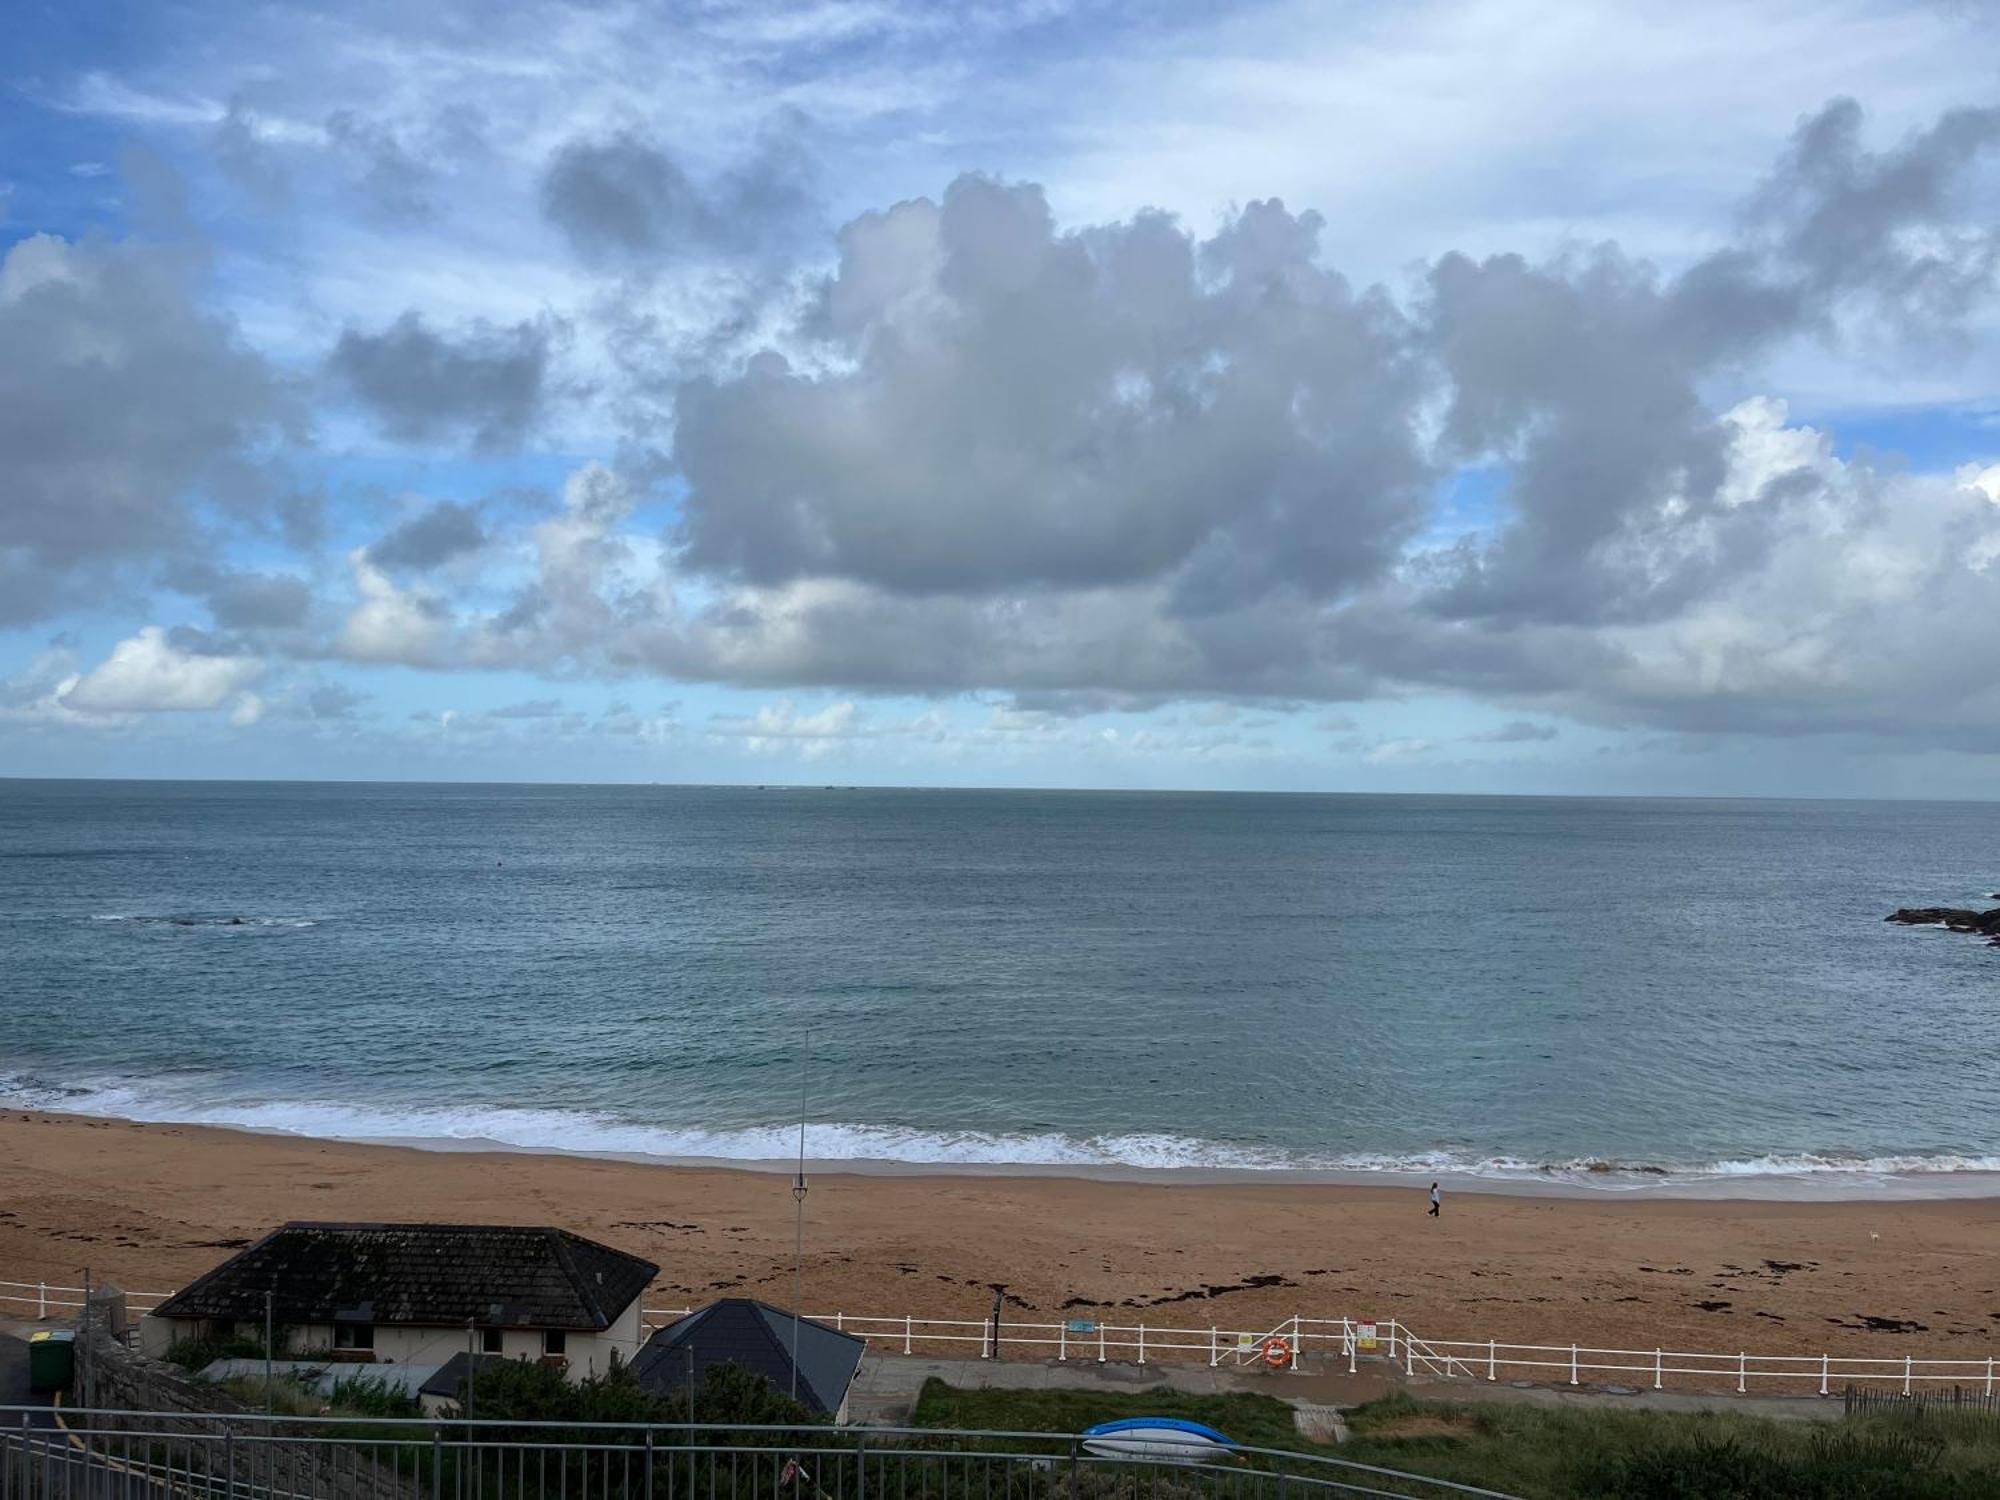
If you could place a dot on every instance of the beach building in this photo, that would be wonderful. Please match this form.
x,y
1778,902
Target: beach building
x,y
418,1294
757,1336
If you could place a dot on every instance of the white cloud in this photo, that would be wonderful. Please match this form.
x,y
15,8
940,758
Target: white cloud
x,y
148,673
390,624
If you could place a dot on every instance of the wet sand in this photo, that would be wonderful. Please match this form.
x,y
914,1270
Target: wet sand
x,y
152,1206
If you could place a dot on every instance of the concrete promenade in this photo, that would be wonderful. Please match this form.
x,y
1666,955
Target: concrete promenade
x,y
886,1390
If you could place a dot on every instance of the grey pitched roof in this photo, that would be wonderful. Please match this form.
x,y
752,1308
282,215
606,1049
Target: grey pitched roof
x,y
426,1275
743,1331
450,1376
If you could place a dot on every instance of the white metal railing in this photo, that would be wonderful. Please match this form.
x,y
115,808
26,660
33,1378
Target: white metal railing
x,y
1341,1339
1299,1338
47,1299
1570,1363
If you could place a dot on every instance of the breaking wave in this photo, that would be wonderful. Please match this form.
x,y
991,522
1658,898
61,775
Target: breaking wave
x,y
584,1133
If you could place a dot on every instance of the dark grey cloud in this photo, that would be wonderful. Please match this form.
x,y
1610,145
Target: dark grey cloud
x,y
131,418
1021,407
435,535
625,200
483,382
259,601
1515,732
1882,223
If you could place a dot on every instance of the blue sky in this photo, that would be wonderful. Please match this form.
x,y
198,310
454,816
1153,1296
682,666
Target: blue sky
x,y
1444,396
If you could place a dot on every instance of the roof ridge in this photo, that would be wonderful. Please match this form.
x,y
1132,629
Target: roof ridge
x,y
566,1263
200,1282
760,1312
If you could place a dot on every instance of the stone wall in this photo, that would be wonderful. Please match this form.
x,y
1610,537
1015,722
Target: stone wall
x,y
207,1431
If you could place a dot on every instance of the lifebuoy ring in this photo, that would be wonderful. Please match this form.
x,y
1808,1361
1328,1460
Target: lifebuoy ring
x,y
1277,1352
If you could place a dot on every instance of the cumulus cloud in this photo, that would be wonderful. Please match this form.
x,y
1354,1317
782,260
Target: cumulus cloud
x,y
485,383
151,673
129,416
391,624
1015,406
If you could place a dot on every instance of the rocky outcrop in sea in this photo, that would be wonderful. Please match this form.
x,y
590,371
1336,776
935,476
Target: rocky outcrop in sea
x,y
1984,924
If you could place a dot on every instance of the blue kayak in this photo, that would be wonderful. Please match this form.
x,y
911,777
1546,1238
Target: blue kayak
x,y
1172,1439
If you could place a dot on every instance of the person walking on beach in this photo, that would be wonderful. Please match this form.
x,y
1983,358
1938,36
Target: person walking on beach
x,y
1437,1200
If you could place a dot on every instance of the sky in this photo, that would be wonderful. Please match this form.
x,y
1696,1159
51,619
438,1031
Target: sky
x,y
1443,396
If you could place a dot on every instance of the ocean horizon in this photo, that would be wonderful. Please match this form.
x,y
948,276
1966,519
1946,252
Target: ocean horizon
x,y
1682,994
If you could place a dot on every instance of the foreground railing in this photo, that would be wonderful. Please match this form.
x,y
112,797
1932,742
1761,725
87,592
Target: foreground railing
x,y
110,1455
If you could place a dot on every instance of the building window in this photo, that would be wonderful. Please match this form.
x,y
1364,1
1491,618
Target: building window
x,y
555,1341
354,1335
490,1340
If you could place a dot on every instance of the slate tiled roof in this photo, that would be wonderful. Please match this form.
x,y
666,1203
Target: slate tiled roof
x,y
450,1376
422,1275
743,1331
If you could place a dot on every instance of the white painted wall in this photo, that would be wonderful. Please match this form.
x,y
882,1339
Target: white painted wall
x,y
588,1353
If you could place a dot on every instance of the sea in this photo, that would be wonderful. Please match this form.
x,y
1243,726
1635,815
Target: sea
x,y
1603,995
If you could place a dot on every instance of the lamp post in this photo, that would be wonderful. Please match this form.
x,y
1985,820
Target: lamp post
x,y
799,1216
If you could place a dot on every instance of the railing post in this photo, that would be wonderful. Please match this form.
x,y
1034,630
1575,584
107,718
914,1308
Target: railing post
x,y
1906,1374
860,1468
229,1457
1214,1348
1572,1364
1353,1348
1659,1368
437,1464
1989,1374
1492,1360
906,1333
42,1302
1298,1342
1100,1343
1075,1460
1142,1343
1742,1362
1824,1364
649,1461
1409,1358
986,1341
1062,1341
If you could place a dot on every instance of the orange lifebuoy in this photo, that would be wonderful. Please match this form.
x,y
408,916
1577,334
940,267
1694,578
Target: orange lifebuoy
x,y
1277,1352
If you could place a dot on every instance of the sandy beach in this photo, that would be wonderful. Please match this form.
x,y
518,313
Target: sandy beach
x,y
151,1206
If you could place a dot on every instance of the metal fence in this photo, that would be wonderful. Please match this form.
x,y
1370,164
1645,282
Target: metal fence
x,y
45,1299
1349,1342
1957,1401
1321,1341
108,1455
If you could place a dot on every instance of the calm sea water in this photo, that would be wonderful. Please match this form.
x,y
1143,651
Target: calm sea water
x,y
1338,983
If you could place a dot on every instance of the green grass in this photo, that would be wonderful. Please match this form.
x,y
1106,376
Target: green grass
x,y
1549,1454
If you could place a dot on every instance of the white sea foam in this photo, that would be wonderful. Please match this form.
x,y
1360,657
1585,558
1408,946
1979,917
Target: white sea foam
x,y
584,1133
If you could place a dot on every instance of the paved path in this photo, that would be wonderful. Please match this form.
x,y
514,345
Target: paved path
x,y
886,1389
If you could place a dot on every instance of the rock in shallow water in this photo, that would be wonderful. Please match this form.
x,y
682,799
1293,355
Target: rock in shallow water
x,y
1957,918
